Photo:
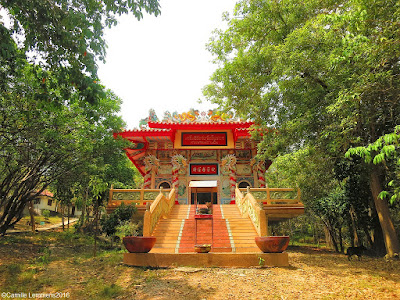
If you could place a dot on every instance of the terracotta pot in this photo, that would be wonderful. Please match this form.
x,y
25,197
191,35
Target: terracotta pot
x,y
139,244
202,248
272,244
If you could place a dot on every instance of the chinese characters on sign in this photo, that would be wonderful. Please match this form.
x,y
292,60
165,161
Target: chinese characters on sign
x,y
204,139
203,169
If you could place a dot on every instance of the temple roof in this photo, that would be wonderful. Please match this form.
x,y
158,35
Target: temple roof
x,y
147,135
164,131
153,130
202,125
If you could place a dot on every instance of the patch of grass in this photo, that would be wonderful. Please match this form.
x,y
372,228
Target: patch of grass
x,y
151,275
112,290
14,270
17,276
27,277
49,261
45,257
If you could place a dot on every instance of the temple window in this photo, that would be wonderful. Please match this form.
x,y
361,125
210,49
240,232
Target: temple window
x,y
164,185
244,184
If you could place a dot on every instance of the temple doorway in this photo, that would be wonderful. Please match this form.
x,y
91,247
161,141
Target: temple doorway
x,y
203,191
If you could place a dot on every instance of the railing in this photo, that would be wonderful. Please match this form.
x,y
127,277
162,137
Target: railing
x,y
249,206
257,201
160,208
267,197
139,197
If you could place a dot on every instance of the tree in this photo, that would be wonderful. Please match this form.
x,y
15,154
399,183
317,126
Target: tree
x,y
66,37
323,73
39,143
56,119
322,192
384,151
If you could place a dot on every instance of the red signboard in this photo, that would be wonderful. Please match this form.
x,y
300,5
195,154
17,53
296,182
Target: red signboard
x,y
202,139
203,169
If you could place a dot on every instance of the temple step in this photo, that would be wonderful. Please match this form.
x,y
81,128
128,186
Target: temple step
x,y
228,231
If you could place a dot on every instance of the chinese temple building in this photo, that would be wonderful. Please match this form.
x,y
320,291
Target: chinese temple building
x,y
203,185
202,155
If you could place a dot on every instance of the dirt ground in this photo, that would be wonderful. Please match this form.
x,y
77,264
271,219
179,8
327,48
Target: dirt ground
x,y
311,275
69,267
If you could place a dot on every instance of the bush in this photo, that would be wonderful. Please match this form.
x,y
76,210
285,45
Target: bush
x,y
127,228
46,213
119,216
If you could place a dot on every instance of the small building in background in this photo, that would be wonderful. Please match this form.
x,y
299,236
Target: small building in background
x,y
45,201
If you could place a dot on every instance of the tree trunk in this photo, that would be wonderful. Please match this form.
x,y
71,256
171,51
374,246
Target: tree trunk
x,y
353,229
330,236
32,214
82,222
328,239
368,236
68,214
389,233
379,243
95,212
62,216
340,239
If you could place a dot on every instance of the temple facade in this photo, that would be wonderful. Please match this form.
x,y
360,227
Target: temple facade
x,y
202,155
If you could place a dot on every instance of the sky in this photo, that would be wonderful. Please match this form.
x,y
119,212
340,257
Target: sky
x,y
162,62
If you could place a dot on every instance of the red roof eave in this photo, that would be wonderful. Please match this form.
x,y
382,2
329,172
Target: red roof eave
x,y
143,133
200,125
237,133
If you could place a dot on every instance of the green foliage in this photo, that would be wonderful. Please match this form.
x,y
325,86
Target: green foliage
x,y
42,142
127,228
118,217
309,168
57,120
67,36
385,150
261,261
323,74
46,213
44,258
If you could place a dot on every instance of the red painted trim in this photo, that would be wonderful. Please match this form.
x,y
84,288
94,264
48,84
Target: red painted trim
x,y
239,132
200,126
135,164
144,133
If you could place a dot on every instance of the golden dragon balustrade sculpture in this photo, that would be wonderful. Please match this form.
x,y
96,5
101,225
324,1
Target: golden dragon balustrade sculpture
x,y
160,208
259,206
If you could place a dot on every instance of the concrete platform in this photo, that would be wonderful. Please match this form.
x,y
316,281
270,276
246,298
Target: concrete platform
x,y
242,260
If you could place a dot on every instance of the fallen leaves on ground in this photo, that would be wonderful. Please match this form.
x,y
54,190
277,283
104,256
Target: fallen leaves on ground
x,y
312,274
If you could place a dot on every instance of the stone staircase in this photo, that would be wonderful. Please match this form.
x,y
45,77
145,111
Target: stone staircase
x,y
227,232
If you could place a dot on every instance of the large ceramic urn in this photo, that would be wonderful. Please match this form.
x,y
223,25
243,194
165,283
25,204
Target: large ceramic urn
x,y
272,244
139,244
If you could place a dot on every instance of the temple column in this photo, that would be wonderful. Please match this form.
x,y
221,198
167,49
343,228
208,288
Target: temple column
x,y
229,163
260,167
151,165
178,162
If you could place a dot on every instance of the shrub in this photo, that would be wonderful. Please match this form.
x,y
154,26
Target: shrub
x,y
127,228
46,213
119,216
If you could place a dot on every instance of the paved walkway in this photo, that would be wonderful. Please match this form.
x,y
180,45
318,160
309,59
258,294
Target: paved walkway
x,y
48,227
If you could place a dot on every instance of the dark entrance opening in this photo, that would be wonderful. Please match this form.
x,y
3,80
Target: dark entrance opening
x,y
201,197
